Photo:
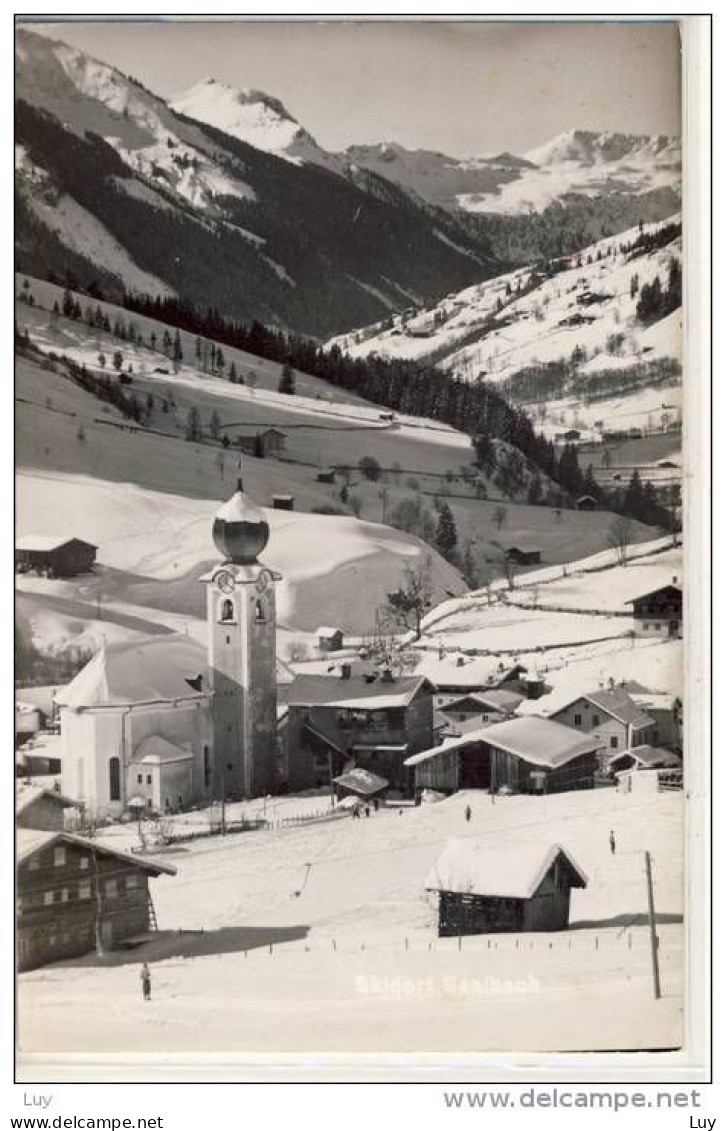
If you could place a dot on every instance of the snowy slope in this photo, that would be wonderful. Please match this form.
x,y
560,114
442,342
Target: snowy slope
x,y
335,569
497,328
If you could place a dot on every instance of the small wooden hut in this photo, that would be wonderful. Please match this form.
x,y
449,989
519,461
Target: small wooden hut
x,y
487,889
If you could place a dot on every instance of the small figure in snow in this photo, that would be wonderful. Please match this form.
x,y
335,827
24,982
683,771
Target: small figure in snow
x,y
400,812
375,804
145,982
467,813
368,810
356,811
612,843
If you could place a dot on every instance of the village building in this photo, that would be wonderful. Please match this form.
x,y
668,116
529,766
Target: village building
x,y
611,714
330,639
283,502
326,475
487,888
173,723
374,721
130,692
268,444
38,807
587,503
524,555
457,715
659,612
521,755
52,556
75,895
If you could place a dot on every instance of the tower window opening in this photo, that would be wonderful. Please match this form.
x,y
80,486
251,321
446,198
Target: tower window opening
x,y
259,612
227,613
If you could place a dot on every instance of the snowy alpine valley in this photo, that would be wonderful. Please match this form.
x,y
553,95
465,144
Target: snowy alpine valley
x,y
349,580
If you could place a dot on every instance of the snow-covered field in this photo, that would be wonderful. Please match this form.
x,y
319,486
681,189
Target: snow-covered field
x,y
322,937
334,567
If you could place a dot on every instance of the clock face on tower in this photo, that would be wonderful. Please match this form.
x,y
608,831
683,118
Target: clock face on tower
x,y
225,581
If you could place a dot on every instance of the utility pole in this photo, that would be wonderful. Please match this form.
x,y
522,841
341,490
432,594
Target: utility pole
x,y
224,803
99,906
653,935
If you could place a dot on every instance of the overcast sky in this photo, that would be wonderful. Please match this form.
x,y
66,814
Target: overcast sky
x,y
465,89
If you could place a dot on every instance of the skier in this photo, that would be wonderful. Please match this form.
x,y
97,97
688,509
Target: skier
x,y
368,810
145,982
612,843
375,804
467,813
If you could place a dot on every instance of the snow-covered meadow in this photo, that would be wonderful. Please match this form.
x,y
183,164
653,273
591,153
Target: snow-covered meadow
x,y
322,937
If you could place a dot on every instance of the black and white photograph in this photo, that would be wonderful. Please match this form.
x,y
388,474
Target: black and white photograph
x,y
352,417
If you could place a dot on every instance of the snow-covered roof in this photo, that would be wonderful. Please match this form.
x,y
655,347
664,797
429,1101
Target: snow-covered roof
x,y
495,700
650,757
617,703
328,630
156,668
157,750
27,792
514,871
334,691
674,588
541,742
362,781
44,543
30,841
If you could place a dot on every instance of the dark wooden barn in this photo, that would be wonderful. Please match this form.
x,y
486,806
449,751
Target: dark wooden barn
x,y
74,894
524,555
488,889
283,502
587,503
53,557
522,755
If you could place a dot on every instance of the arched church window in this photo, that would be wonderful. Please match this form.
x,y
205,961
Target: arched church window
x,y
114,779
227,612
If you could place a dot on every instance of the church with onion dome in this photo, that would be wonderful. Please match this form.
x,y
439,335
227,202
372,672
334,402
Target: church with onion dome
x,y
164,723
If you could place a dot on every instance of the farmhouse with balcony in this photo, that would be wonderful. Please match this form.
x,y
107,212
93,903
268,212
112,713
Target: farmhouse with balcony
x,y
521,755
372,721
492,888
75,895
660,612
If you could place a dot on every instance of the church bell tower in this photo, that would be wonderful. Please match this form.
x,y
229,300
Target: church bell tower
x,y
242,658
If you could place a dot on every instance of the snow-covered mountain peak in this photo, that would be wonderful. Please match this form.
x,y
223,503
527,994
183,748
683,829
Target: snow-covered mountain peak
x,y
589,147
252,116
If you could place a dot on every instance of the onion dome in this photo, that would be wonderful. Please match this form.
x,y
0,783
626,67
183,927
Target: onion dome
x,y
240,530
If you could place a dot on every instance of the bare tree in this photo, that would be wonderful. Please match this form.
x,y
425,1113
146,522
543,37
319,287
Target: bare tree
x,y
507,567
408,604
619,537
499,517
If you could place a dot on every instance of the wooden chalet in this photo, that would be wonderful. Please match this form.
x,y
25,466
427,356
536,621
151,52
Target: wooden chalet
x,y
659,612
522,755
76,895
53,556
587,503
373,721
490,888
